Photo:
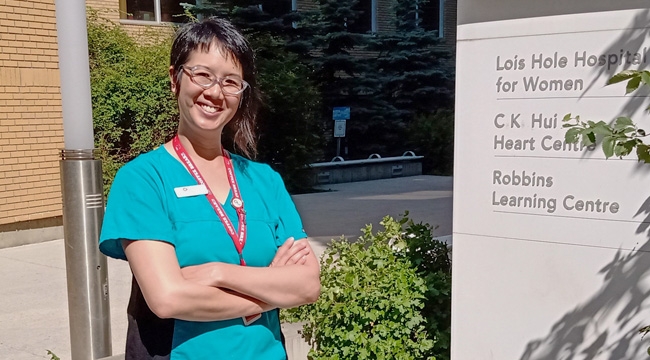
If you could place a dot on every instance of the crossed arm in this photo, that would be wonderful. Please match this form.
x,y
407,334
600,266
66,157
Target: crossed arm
x,y
219,291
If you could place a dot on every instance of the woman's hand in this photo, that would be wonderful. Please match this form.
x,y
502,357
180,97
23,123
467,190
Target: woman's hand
x,y
291,253
292,278
209,274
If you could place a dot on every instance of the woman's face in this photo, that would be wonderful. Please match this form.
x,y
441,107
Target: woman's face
x,y
206,109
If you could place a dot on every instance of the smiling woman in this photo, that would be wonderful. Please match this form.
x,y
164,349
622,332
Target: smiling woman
x,y
213,239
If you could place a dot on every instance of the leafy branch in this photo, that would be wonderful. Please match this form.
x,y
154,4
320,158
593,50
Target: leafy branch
x,y
621,138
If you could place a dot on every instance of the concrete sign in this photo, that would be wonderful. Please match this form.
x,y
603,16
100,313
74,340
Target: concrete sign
x,y
550,239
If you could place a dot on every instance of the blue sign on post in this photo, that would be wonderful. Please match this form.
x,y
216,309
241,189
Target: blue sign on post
x,y
341,113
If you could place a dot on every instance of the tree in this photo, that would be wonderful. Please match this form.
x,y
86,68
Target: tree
x,y
414,60
343,73
432,136
291,130
412,69
387,79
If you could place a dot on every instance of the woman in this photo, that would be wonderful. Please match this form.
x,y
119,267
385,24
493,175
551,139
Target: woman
x,y
209,235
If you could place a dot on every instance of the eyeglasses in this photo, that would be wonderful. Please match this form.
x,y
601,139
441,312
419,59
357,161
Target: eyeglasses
x,y
204,78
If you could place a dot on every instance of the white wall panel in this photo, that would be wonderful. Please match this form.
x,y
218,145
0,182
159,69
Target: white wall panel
x,y
540,279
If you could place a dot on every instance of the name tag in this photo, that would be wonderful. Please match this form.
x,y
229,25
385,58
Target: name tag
x,y
191,190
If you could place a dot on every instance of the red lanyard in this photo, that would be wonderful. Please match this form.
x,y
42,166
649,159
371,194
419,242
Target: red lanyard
x,y
239,239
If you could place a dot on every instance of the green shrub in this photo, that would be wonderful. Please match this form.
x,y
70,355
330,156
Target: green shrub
x,y
432,261
134,109
371,301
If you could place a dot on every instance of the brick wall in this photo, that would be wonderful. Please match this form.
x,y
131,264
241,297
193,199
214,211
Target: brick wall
x,y
31,125
144,33
108,9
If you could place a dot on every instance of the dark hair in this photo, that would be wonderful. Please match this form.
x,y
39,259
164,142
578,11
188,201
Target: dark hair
x,y
219,32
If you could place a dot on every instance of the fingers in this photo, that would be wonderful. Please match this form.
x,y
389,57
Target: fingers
x,y
299,251
282,250
282,254
291,252
299,257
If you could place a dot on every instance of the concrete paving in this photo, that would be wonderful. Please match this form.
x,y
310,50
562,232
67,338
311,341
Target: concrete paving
x,y
33,304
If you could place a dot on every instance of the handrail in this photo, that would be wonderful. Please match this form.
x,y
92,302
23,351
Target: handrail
x,y
339,161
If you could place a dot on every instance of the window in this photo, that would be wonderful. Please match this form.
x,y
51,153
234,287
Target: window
x,y
277,8
432,16
367,17
154,10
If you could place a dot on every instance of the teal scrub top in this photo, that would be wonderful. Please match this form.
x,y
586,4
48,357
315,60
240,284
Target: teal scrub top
x,y
142,204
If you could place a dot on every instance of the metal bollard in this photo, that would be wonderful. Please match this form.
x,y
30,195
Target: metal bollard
x,y
86,267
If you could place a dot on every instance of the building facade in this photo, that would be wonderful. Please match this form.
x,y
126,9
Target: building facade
x,y
31,127
31,124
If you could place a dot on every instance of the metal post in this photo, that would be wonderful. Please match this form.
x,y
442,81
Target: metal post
x,y
338,146
81,186
86,267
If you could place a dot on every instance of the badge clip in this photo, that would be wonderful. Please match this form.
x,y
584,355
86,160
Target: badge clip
x,y
251,319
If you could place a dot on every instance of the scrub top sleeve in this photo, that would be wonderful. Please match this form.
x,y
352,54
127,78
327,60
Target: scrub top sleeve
x,y
136,210
290,224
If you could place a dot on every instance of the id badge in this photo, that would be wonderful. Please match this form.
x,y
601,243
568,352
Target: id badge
x,y
251,319
190,190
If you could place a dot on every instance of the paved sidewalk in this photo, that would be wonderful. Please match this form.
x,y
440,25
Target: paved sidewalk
x,y
33,302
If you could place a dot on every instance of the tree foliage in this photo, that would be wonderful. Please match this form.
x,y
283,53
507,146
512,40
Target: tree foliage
x,y
432,136
342,72
290,126
432,261
415,80
414,64
388,79
619,138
